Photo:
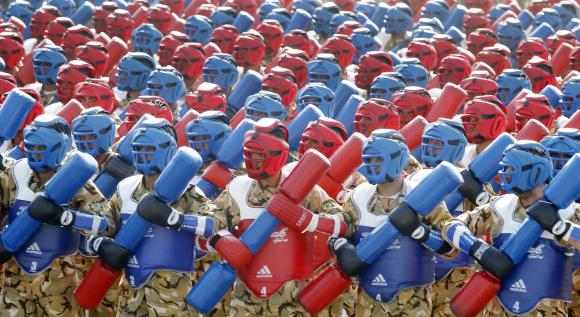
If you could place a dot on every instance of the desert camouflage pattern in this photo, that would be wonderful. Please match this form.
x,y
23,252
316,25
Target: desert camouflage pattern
x,y
285,301
165,293
51,292
483,220
409,302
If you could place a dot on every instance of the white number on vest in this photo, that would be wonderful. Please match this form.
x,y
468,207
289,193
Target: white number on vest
x,y
516,306
33,266
378,297
264,291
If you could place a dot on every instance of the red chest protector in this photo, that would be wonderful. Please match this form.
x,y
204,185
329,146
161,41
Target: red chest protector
x,y
286,255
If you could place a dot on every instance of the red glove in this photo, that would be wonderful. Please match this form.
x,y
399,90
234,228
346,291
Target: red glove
x,y
231,249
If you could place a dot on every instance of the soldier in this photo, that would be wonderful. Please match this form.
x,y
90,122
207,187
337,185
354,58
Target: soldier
x,y
27,289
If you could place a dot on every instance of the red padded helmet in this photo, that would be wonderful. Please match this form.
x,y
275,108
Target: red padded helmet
x,y
540,73
76,35
189,59
325,135
120,24
249,49
281,81
483,120
376,114
169,44
225,36
480,39
40,20
341,47
424,51
76,71
266,148
273,35
94,53
207,97
453,68
96,93
529,48
371,65
411,102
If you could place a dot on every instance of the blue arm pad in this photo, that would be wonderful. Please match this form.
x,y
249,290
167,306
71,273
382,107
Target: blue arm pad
x,y
231,151
346,114
486,165
461,237
132,232
378,17
299,123
553,94
526,19
178,174
299,21
106,184
375,243
243,21
60,189
518,244
259,231
13,112
212,287
343,92
92,223
251,83
198,225
453,200
210,190
84,13
543,31
456,34
434,241
16,153
575,233
456,17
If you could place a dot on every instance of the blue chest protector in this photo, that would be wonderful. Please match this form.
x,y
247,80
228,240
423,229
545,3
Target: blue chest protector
x,y
405,264
444,266
160,249
546,271
50,242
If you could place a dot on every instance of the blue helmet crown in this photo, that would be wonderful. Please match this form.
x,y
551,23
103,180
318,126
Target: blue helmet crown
x,y
510,33
66,7
223,15
153,145
21,9
207,133
525,165
146,38
323,70
46,62
413,72
221,69
386,84
398,19
570,100
94,131
443,140
265,104
167,83
46,140
509,83
318,95
198,28
385,155
133,71
562,146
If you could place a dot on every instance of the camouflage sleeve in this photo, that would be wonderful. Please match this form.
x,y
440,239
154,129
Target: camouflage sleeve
x,y
412,166
90,200
479,221
350,209
319,202
226,213
5,191
115,208
195,202
438,217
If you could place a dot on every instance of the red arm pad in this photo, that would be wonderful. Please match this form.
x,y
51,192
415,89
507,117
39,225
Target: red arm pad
x,y
180,126
448,103
117,49
102,278
231,249
507,14
25,74
574,121
413,132
561,58
103,38
474,296
217,174
140,16
511,109
305,176
326,286
534,130
238,117
343,163
71,110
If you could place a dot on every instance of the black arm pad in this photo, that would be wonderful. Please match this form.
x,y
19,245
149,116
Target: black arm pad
x,y
472,189
492,259
119,169
113,254
547,216
157,212
349,263
46,211
5,255
405,220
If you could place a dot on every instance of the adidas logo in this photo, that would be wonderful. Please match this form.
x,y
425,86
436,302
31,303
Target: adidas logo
x,y
264,272
519,286
33,249
133,262
379,280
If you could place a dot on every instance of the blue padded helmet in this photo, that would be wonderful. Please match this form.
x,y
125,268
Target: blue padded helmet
x,y
47,140
167,83
363,42
550,16
386,84
322,16
443,140
265,104
153,145
146,39
94,131
570,101
366,7
413,72
510,33
385,154
66,7
133,71
266,8
306,5
434,23
436,9
568,11
21,9
316,94
398,19
337,20
423,32
509,83
324,70
207,133
562,146
525,165
281,15
221,69
223,15
198,28
497,11
46,61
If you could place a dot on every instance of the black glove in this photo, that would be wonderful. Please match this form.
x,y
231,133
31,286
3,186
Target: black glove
x,y
408,222
547,216
5,255
346,258
48,212
472,189
157,212
113,254
491,259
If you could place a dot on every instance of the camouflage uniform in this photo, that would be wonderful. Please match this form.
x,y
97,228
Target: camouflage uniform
x,y
285,301
483,220
408,302
51,292
165,293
